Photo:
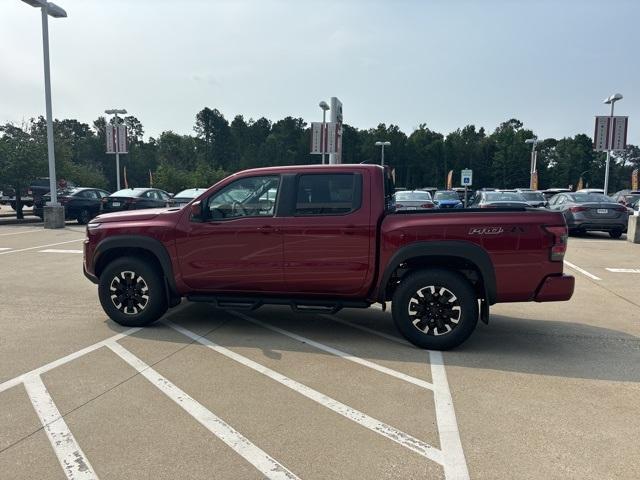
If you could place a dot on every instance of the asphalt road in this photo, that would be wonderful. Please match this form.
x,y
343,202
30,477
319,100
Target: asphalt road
x,y
545,391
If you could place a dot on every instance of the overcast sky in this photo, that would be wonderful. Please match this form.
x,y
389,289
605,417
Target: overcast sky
x,y
443,63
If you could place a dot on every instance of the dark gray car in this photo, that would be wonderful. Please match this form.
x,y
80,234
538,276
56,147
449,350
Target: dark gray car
x,y
591,212
498,200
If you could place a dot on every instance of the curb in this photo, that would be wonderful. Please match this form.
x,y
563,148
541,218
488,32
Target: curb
x,y
15,221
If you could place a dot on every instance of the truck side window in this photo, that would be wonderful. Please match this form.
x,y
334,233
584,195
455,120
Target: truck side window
x,y
328,194
246,197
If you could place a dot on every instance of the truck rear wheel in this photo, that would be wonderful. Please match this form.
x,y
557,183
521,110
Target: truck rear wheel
x,y
435,309
132,292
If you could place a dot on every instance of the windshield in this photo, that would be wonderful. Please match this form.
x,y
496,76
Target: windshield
x,y
533,196
446,196
589,197
64,192
189,193
127,192
504,197
413,196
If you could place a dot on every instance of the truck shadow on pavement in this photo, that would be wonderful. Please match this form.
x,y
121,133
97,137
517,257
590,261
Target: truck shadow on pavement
x,y
509,344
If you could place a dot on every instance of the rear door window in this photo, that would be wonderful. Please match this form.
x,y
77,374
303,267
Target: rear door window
x,y
328,194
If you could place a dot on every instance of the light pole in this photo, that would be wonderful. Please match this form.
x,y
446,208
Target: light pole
x,y
382,145
116,111
324,106
611,100
534,157
53,212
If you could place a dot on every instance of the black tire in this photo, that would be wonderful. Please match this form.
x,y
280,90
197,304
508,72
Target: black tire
x,y
441,327
134,310
84,216
615,233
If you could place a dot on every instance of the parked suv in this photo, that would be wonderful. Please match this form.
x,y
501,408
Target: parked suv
x,y
322,238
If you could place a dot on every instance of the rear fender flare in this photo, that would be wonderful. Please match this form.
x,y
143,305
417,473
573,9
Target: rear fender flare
x,y
470,252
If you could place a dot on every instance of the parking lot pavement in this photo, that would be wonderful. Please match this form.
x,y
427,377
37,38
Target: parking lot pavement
x,y
543,391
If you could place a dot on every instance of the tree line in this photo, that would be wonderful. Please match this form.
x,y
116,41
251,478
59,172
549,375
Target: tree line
x,y
217,147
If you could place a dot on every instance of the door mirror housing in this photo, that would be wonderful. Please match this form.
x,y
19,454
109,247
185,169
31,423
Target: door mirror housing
x,y
196,212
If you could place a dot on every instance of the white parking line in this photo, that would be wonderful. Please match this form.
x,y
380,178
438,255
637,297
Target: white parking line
x,y
624,270
20,233
2,249
361,418
339,353
70,455
581,270
61,361
42,246
55,250
241,445
72,356
454,463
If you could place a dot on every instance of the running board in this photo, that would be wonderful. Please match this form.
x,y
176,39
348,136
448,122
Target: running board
x,y
297,305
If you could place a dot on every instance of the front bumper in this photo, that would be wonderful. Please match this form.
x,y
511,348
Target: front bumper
x,y
555,288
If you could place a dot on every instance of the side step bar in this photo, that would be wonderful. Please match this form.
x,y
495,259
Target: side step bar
x,y
297,305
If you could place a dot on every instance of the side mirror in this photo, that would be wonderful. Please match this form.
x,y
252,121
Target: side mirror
x,y
196,212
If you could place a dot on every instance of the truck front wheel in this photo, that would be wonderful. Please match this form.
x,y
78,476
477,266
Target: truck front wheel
x,y
435,309
132,292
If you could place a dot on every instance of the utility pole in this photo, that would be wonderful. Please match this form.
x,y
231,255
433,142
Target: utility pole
x,y
115,112
324,106
534,157
611,100
53,211
382,145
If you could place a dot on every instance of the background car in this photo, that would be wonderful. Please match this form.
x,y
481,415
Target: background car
x,y
413,200
591,190
135,199
182,198
589,212
550,192
447,199
626,197
533,198
81,204
493,199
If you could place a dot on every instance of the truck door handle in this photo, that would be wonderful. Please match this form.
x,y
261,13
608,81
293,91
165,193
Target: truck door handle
x,y
350,230
267,229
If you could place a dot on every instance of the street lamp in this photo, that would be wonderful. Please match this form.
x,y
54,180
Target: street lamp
x,y
53,212
116,111
324,106
382,144
612,99
534,157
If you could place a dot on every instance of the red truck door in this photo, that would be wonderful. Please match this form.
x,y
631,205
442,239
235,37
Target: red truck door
x,y
237,247
328,234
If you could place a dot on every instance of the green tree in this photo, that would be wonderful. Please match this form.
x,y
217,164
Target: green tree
x,y
21,160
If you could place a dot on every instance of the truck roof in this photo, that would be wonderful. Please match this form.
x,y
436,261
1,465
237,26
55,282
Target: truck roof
x,y
294,168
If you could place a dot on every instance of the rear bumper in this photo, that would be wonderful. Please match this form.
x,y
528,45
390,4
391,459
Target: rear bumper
x,y
555,288
604,225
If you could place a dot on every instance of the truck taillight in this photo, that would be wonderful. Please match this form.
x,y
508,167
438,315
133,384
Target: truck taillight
x,y
427,205
560,235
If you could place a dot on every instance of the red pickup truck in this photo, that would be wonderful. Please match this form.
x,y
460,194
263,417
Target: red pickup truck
x,y
322,238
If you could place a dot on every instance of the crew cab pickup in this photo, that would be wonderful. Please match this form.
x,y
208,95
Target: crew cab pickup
x,y
322,238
